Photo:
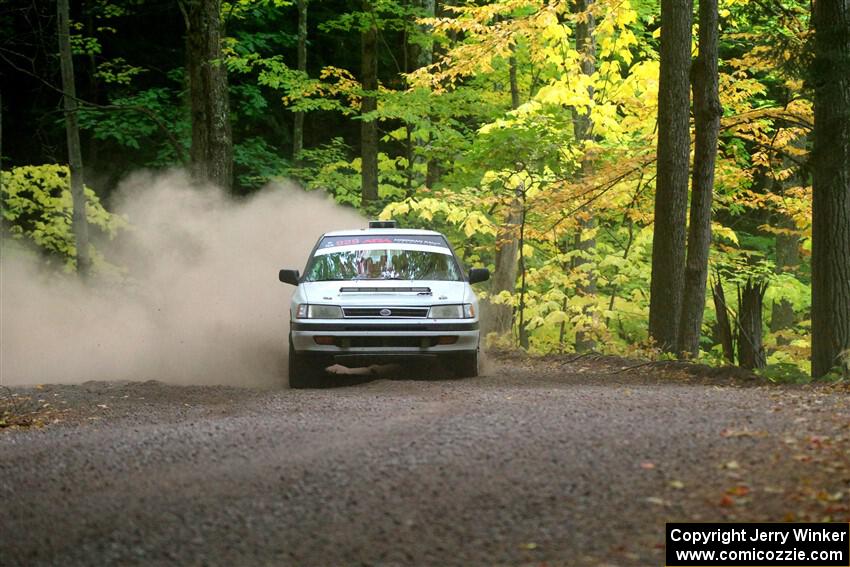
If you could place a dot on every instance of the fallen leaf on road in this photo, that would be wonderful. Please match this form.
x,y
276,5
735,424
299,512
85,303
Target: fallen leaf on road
x,y
677,484
731,432
647,465
739,490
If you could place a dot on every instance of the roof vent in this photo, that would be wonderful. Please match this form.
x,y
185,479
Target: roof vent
x,y
383,224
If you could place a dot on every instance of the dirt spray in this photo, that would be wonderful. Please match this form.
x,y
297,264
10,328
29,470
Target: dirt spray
x,y
200,302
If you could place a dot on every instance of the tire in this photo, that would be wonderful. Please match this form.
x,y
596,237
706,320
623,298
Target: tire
x,y
303,372
466,365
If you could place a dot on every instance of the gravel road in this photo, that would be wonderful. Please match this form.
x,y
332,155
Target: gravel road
x,y
546,462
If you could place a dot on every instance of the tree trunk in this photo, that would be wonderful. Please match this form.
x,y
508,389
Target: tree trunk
x,y
512,80
79,222
298,124
420,54
92,154
750,347
671,190
2,218
707,112
369,103
583,127
723,327
499,317
523,332
787,259
831,187
211,154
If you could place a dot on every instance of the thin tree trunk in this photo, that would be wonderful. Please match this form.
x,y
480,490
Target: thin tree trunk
x,y
499,317
2,203
707,112
94,95
420,54
369,103
523,332
671,191
787,244
583,127
298,124
831,188
79,222
432,168
211,154
513,81
723,327
750,346
787,259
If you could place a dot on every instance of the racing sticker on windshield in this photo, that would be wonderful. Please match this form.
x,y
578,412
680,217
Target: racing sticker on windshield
x,y
414,239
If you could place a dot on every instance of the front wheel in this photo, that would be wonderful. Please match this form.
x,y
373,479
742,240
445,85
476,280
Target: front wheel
x,y
466,365
303,374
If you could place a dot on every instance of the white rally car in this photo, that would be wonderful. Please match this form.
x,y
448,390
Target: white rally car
x,y
381,295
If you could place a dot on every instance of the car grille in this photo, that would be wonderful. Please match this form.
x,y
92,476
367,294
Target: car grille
x,y
385,312
386,342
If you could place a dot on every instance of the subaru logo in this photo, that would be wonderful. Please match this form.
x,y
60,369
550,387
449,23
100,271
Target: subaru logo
x,y
385,312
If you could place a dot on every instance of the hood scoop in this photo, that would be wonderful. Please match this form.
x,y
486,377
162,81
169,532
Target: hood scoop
x,y
416,290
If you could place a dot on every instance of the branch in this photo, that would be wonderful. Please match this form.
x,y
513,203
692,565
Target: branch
x,y
178,149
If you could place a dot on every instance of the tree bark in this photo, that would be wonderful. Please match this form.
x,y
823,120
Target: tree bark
x,y
523,332
723,327
831,187
92,154
512,80
79,222
787,259
211,155
707,112
750,345
671,191
499,317
369,103
2,217
298,122
420,54
583,127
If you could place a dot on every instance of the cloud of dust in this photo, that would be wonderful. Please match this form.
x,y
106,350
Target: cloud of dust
x,y
202,303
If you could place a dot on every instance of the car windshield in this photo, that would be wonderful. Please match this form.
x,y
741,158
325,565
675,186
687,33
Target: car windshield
x,y
383,263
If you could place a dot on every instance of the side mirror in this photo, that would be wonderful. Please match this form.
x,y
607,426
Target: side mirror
x,y
289,276
478,275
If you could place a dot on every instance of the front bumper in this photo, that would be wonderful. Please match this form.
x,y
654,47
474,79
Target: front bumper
x,y
380,338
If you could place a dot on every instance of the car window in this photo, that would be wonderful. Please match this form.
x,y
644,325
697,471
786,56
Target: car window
x,y
380,262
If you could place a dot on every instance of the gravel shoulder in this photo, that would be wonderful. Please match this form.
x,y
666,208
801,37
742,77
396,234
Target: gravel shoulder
x,y
558,461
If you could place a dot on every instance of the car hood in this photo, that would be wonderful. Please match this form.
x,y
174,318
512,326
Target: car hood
x,y
385,292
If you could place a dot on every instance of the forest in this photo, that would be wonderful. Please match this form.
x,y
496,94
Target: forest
x,y
657,179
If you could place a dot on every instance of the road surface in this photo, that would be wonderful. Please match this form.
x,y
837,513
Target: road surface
x,y
549,462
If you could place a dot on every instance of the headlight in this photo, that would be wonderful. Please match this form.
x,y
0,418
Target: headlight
x,y
306,311
465,311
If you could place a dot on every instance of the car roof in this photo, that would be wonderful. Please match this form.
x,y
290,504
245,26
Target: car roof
x,y
399,231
